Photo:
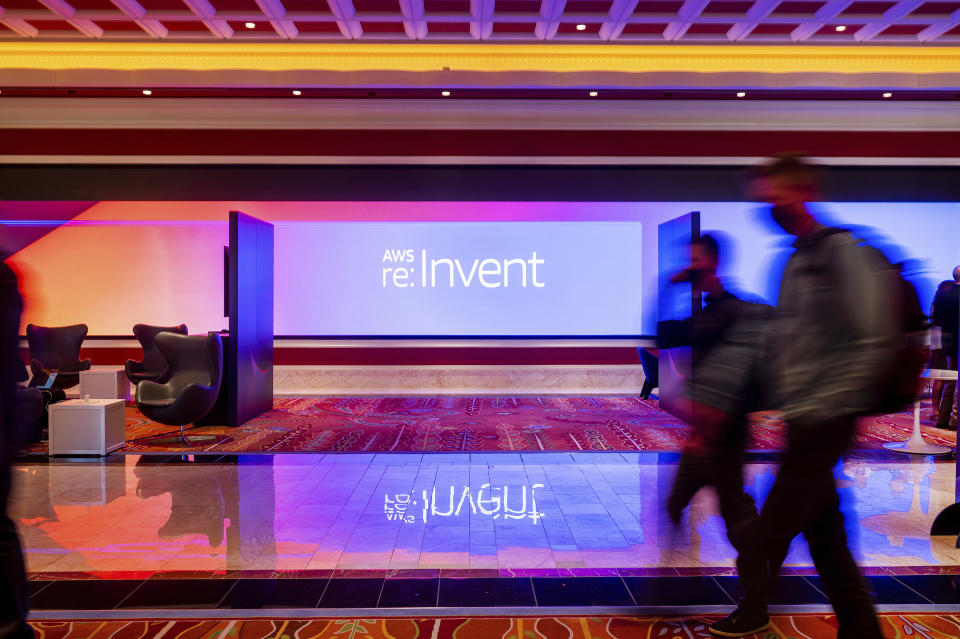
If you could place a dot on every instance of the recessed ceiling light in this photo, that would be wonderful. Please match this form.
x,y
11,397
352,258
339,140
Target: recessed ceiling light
x,y
251,25
297,92
147,92
888,95
741,94
581,27
594,94
445,94
841,28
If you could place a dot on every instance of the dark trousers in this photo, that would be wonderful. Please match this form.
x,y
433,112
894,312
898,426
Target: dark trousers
x,y
804,500
724,471
13,578
943,404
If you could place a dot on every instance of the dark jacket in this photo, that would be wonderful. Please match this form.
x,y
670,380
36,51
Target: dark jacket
x,y
833,330
727,341
946,308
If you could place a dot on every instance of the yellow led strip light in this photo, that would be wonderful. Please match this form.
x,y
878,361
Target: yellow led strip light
x,y
351,57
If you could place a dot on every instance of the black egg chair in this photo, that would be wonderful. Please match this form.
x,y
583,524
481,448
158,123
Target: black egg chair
x,y
56,349
154,366
651,372
192,385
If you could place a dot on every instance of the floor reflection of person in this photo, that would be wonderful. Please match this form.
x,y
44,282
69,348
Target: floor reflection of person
x,y
196,497
726,343
829,332
14,604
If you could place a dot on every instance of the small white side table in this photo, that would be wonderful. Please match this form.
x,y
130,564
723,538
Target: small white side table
x,y
86,427
917,445
104,383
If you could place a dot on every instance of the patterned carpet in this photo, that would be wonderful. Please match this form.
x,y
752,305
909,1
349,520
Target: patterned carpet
x,y
805,626
477,424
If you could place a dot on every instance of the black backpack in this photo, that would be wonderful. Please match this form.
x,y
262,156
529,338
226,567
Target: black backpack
x,y
898,382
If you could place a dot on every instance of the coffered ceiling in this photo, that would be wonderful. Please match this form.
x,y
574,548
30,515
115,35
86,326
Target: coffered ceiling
x,y
914,22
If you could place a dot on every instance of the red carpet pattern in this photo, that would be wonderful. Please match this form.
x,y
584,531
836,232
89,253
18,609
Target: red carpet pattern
x,y
806,626
477,424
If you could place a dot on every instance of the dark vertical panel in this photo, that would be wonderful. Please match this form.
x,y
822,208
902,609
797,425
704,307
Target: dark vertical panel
x,y
675,301
250,347
226,282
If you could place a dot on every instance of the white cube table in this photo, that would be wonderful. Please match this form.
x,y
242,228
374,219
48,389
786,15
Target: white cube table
x,y
86,427
104,383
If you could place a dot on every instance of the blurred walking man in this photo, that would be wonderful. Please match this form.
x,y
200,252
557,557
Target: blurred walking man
x,y
829,344
726,339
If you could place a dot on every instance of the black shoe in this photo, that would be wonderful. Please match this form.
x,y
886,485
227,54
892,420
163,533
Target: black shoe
x,y
741,623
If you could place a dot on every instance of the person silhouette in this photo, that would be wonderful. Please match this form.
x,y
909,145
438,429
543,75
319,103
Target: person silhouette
x,y
14,595
829,334
726,339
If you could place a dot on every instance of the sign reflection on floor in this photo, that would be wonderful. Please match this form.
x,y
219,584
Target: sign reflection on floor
x,y
491,501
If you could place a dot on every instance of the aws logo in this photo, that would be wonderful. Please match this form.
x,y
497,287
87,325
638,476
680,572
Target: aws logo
x,y
398,256
448,272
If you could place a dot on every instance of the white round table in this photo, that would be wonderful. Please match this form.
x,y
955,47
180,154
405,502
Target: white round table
x,y
917,445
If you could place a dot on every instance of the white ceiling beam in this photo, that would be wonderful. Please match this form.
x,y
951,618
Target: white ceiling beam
x,y
275,11
620,11
346,15
689,12
252,15
890,16
414,22
207,15
65,11
550,11
821,18
19,26
136,12
481,24
755,14
934,31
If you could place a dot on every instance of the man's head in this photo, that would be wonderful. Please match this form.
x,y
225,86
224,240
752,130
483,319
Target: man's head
x,y
956,275
704,254
787,182
704,259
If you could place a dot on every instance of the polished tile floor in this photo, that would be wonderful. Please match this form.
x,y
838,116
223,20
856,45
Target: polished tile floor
x,y
538,514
